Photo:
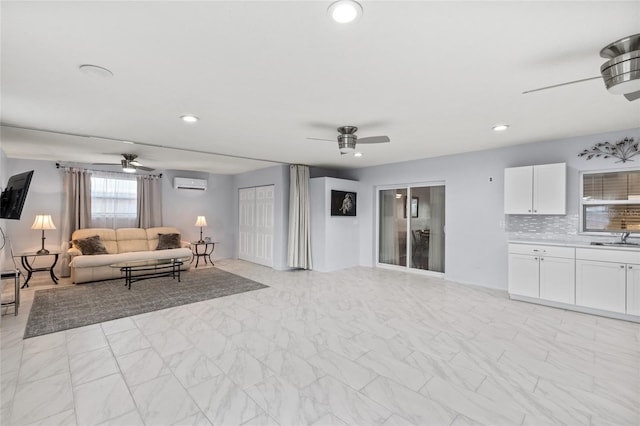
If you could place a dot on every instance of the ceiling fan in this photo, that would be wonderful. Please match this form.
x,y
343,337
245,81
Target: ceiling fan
x,y
347,139
128,163
621,72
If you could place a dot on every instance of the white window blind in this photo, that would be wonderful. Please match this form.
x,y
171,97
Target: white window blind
x,y
611,202
113,200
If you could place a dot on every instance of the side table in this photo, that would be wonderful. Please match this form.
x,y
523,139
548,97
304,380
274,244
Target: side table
x,y
203,250
24,260
15,274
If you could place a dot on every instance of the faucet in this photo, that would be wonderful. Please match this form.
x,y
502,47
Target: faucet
x,y
624,236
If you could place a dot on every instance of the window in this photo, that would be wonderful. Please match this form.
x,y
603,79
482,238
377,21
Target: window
x,y
113,201
611,202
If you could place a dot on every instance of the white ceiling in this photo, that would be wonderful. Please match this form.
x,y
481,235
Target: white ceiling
x,y
263,76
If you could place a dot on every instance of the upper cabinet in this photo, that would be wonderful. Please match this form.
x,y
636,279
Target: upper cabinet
x,y
538,189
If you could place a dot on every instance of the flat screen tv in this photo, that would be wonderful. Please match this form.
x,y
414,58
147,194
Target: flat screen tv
x,y
14,195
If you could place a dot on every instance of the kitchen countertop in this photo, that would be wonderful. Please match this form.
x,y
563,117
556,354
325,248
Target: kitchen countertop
x,y
577,244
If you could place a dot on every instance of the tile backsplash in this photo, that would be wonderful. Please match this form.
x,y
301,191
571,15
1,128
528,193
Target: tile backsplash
x,y
548,228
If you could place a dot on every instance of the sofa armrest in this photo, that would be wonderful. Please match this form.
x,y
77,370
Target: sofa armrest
x,y
72,253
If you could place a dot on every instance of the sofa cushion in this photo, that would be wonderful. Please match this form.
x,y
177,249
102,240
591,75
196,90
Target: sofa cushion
x,y
109,259
168,241
107,236
131,239
90,246
153,233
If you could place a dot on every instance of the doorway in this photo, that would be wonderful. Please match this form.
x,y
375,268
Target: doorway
x,y
411,227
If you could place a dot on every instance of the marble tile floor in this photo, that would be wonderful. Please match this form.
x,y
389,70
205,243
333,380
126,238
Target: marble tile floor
x,y
357,347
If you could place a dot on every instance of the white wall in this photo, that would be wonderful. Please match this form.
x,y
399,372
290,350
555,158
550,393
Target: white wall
x,y
335,241
45,196
279,177
476,241
181,207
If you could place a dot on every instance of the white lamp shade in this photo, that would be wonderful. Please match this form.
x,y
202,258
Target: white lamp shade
x,y
43,221
201,221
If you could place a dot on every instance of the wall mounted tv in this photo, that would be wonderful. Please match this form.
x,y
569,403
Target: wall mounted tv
x,y
14,195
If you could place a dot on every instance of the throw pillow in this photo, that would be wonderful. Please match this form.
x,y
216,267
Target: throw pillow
x,y
168,241
90,246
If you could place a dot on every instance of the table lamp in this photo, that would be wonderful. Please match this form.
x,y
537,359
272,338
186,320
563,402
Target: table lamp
x,y
201,221
43,221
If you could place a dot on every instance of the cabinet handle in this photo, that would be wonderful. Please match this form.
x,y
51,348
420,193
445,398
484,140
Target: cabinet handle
x,y
529,211
535,258
630,267
622,266
536,250
542,258
535,211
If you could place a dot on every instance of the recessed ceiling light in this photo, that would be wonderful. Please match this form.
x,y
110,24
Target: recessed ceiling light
x,y
345,11
129,142
95,71
188,118
357,154
500,127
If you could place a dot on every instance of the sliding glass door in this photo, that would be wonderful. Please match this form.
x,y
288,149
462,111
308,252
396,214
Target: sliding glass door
x,y
393,227
411,227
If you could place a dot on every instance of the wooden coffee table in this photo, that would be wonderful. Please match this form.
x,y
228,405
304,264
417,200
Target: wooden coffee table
x,y
137,270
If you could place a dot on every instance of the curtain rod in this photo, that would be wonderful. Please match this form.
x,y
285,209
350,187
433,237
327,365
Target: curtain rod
x,y
61,166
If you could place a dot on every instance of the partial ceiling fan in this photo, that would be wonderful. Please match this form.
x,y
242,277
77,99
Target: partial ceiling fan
x,y
129,164
621,73
347,139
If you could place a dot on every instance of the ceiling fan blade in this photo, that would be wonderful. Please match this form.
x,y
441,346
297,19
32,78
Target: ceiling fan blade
x,y
146,169
320,139
633,96
560,85
105,164
135,163
374,139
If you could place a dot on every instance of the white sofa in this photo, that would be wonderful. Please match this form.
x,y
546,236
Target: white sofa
x,y
124,244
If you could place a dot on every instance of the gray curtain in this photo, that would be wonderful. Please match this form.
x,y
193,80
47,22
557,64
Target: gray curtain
x,y
149,201
77,209
299,255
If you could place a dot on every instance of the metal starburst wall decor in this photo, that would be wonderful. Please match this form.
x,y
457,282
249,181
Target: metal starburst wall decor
x,y
624,150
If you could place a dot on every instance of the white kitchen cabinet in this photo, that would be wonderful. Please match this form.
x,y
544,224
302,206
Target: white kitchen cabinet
x,y
540,189
601,285
524,275
544,272
633,289
557,279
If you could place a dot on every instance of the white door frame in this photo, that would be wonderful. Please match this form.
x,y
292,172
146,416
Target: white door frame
x,y
406,268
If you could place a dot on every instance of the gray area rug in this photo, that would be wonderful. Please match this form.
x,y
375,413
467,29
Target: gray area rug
x,y
63,308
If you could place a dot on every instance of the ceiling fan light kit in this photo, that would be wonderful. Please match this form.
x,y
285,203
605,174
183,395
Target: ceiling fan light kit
x,y
621,73
127,167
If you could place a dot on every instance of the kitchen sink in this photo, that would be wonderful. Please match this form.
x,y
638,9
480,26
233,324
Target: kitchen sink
x,y
616,244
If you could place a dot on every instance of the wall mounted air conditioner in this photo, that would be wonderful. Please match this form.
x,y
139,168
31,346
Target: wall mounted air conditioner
x,y
189,183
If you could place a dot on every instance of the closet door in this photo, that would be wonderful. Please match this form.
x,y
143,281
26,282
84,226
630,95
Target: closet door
x,y
264,225
246,223
255,224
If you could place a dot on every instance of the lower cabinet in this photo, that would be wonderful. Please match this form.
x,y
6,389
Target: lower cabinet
x,y
603,279
524,275
633,289
601,285
543,272
557,279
